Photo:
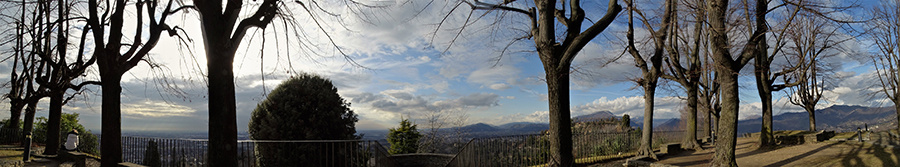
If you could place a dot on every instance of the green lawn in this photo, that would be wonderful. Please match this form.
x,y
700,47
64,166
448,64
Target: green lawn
x,y
10,155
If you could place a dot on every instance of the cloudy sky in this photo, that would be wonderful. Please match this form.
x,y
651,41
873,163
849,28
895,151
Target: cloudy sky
x,y
405,66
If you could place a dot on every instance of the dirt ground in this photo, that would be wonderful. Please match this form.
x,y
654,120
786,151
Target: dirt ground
x,y
828,153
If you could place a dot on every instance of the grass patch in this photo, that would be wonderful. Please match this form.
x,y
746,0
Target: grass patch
x,y
793,132
786,133
10,155
845,135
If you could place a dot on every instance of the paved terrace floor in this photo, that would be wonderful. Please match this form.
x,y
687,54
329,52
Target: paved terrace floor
x,y
828,153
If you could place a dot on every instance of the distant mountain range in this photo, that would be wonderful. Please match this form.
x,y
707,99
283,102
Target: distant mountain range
x,y
837,118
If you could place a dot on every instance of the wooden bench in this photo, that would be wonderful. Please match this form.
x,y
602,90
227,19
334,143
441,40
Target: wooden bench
x,y
74,156
670,148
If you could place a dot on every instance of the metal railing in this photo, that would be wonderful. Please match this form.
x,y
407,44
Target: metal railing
x,y
531,150
173,152
192,152
323,153
10,136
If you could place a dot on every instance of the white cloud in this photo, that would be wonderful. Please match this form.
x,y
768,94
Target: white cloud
x,y
500,86
492,76
664,107
155,109
387,107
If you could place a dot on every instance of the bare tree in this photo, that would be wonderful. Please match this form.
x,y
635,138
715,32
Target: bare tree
x,y
885,33
556,54
813,39
435,120
26,66
443,130
223,32
687,75
105,21
727,70
221,38
61,72
765,79
650,73
785,36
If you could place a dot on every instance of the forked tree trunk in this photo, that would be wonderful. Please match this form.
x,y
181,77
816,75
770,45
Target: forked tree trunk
x,y
560,116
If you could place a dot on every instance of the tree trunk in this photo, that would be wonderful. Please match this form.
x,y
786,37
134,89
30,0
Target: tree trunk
x,y
812,119
713,123
690,140
726,132
29,119
647,131
704,104
15,115
560,116
222,118
53,122
111,138
727,77
766,136
897,109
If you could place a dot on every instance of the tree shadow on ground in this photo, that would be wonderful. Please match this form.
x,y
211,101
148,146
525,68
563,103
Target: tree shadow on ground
x,y
693,153
804,155
887,159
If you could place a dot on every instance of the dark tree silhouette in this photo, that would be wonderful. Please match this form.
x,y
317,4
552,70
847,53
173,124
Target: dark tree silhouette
x,y
222,34
61,72
116,54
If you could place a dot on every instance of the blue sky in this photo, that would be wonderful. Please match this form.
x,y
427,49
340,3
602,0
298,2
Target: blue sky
x,y
408,74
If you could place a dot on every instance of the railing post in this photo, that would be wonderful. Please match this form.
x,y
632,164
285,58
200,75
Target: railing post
x,y
27,156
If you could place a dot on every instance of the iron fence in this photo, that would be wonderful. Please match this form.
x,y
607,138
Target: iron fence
x,y
172,152
11,136
192,152
532,150
323,153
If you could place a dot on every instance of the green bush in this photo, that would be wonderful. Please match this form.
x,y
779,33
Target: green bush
x,y
613,146
87,142
404,139
305,107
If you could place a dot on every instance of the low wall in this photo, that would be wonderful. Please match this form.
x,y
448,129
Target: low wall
x,y
421,159
805,139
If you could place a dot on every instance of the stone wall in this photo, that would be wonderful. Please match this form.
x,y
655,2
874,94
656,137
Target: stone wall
x,y
805,139
422,159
